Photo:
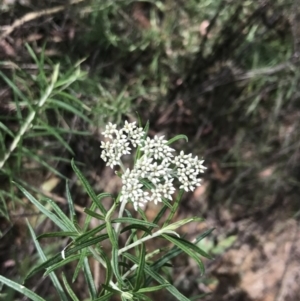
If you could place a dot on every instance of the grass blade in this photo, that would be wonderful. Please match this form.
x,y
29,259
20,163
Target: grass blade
x,y
21,289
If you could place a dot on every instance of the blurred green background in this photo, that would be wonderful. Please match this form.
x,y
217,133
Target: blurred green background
x,y
225,73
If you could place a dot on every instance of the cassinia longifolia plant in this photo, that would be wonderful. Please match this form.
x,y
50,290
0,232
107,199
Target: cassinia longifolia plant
x,y
131,270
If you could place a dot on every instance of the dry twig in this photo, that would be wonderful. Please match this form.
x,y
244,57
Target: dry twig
x,y
34,15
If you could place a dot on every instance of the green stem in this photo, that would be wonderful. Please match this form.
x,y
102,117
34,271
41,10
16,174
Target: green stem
x,y
122,208
174,208
28,122
138,242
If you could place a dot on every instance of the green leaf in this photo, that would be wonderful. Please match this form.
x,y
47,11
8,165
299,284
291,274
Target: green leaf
x,y
115,266
89,233
70,201
133,221
44,210
140,278
136,227
175,251
182,222
156,276
62,216
185,249
177,138
54,279
58,234
174,207
42,79
110,231
55,133
74,99
55,259
112,235
153,288
104,195
108,271
105,297
34,156
141,296
89,278
192,246
94,214
68,107
15,89
82,255
6,129
88,188
62,263
68,288
21,289
88,218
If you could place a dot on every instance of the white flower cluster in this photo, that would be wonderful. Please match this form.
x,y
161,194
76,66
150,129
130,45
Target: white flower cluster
x,y
157,166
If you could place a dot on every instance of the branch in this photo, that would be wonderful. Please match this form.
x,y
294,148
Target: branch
x,y
34,15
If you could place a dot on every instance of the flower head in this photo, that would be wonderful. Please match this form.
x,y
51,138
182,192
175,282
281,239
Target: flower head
x,y
152,176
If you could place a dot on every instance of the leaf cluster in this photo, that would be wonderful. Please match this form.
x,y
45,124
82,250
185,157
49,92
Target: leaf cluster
x,y
130,269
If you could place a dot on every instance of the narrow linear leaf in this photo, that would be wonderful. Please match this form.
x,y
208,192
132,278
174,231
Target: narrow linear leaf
x,y
192,246
104,195
140,271
89,278
158,217
62,216
93,214
54,279
133,221
68,107
39,159
156,276
73,98
79,265
88,188
6,129
88,218
43,209
70,201
89,233
172,253
185,249
115,266
55,133
136,227
153,288
68,288
62,263
108,271
57,258
105,297
58,234
110,289
21,289
178,137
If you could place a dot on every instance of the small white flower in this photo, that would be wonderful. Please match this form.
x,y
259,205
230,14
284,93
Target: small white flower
x,y
110,129
157,148
157,165
129,127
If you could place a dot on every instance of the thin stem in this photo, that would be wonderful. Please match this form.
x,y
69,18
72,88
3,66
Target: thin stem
x,y
97,257
122,208
174,208
122,166
135,266
138,242
30,118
